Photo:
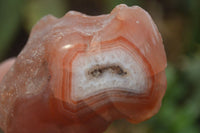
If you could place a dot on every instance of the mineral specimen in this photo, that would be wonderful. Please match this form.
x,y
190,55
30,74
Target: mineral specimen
x,y
79,73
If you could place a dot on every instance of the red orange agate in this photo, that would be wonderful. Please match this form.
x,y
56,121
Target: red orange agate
x,y
79,73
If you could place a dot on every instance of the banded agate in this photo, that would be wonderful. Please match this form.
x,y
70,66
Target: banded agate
x,y
79,73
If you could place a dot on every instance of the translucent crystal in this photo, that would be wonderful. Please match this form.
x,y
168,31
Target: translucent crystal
x,y
79,73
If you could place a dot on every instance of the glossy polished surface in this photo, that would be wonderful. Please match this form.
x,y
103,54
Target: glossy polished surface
x,y
79,73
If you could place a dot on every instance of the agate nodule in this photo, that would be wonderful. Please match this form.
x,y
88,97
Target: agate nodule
x,y
79,73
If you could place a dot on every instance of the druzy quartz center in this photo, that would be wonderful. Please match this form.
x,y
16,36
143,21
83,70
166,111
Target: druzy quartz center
x,y
110,78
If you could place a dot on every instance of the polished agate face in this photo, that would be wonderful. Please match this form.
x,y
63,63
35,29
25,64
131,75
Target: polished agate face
x,y
115,66
79,73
